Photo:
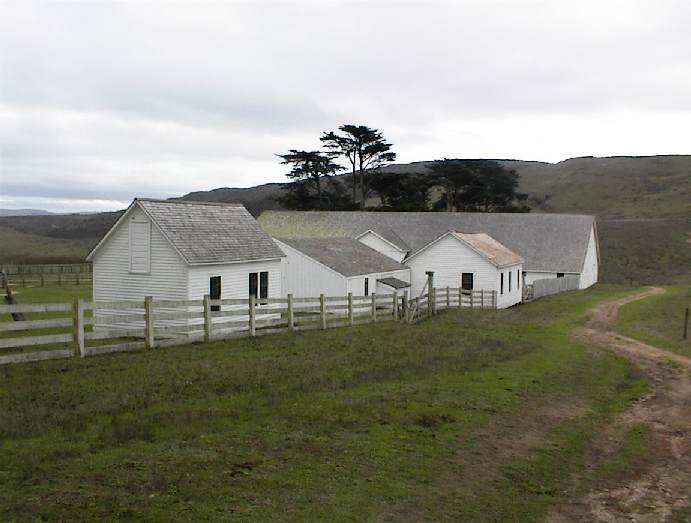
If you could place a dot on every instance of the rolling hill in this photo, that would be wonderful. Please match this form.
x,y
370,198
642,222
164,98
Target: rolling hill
x,y
643,205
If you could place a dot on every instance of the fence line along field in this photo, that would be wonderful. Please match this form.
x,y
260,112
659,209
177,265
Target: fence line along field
x,y
83,328
45,275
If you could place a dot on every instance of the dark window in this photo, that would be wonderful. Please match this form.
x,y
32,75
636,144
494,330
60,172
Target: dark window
x,y
467,281
501,283
263,285
254,284
518,279
560,275
510,281
366,286
215,291
259,285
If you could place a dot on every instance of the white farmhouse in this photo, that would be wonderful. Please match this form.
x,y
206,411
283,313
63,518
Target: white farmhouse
x,y
473,261
338,266
183,250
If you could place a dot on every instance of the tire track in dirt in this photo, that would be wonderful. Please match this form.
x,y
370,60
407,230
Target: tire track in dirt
x,y
662,483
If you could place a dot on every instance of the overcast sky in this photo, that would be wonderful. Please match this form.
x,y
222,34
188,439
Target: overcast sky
x,y
104,101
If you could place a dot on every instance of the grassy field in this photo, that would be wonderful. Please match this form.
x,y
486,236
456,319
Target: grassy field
x,y
658,320
18,245
470,416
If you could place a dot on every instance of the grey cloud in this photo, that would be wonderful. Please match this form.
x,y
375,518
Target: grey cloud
x,y
169,97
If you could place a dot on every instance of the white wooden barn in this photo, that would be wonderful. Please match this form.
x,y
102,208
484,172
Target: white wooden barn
x,y
473,261
551,245
183,250
338,266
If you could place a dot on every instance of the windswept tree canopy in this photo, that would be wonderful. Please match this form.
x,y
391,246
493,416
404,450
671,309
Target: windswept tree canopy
x,y
364,148
478,186
308,170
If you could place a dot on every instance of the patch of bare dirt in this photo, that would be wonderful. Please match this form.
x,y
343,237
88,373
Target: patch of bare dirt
x,y
662,482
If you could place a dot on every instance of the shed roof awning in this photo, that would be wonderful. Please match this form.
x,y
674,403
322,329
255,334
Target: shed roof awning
x,y
394,282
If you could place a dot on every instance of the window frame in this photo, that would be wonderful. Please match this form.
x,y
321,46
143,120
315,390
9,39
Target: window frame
x,y
501,283
472,281
215,308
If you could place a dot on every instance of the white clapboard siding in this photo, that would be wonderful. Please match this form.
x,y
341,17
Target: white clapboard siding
x,y
513,294
356,284
234,279
378,244
113,279
305,277
589,274
449,258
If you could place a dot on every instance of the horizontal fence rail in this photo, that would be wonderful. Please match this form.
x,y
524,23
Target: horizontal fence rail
x,y
83,328
43,275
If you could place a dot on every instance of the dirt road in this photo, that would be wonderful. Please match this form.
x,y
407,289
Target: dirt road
x,y
661,483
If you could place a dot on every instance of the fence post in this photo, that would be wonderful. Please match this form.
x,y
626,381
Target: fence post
x,y
448,297
77,279
494,299
41,276
291,318
322,311
482,298
207,318
395,305
686,323
406,294
149,322
252,311
374,307
350,309
79,349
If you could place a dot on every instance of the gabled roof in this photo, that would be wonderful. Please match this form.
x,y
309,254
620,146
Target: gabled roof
x,y
346,256
206,233
548,242
496,253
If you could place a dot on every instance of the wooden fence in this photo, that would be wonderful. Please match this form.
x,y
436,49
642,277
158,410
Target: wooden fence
x,y
82,328
43,275
447,298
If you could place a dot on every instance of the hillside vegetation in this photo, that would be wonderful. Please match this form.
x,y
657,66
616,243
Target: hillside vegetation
x,y
643,206
370,423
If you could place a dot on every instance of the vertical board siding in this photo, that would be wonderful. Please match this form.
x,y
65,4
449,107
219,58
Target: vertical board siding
x,y
590,265
305,277
167,278
373,241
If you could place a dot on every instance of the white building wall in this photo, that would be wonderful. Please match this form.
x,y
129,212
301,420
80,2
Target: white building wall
x,y
449,258
356,284
375,242
589,273
513,294
113,280
304,277
234,279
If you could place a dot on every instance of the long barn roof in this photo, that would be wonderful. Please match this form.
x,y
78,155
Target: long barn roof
x,y
547,242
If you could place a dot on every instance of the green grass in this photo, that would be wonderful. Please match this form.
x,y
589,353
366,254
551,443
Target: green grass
x,y
658,320
338,425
